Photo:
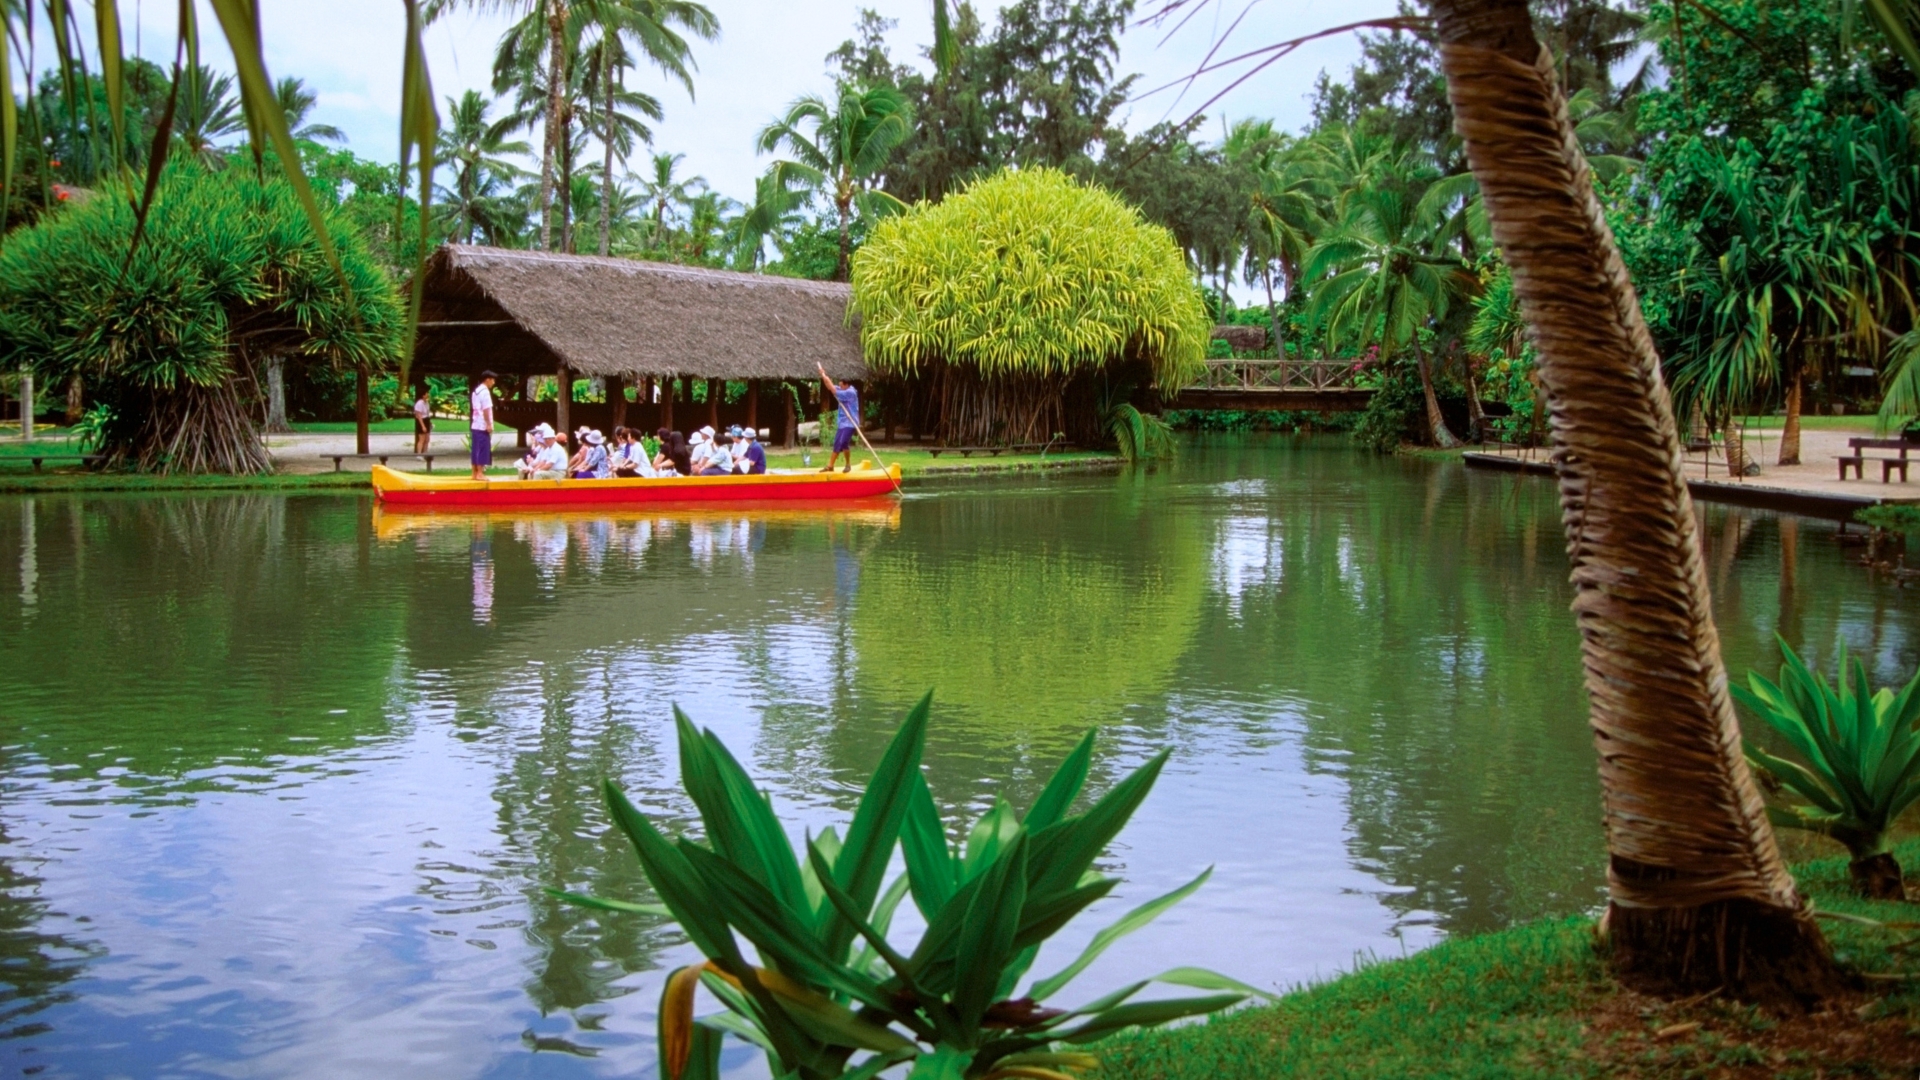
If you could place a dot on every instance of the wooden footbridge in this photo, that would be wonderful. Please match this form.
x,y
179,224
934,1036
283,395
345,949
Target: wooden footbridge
x,y
1292,385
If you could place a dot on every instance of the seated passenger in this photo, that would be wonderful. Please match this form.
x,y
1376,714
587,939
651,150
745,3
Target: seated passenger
x,y
551,462
536,440
593,458
699,452
629,457
749,457
720,461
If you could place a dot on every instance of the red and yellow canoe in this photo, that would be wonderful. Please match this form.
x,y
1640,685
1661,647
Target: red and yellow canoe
x,y
398,488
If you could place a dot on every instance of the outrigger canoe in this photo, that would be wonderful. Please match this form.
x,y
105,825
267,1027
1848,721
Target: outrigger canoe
x,y
397,488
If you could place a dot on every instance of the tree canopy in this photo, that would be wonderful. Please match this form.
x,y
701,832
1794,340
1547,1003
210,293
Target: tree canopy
x,y
228,268
1029,272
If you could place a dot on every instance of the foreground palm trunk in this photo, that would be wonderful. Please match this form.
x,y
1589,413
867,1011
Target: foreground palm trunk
x,y
1699,897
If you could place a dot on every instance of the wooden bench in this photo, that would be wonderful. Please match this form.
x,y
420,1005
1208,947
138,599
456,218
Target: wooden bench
x,y
84,459
382,458
1887,464
990,451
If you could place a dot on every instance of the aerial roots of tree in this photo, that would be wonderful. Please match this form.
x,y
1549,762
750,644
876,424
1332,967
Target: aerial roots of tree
x,y
194,429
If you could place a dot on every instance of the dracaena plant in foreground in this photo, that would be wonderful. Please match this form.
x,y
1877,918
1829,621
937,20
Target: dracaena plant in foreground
x,y
1861,754
827,993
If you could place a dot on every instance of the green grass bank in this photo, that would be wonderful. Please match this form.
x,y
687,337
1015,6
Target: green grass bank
x,y
1536,1001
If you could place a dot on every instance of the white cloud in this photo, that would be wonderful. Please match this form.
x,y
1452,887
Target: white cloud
x,y
769,52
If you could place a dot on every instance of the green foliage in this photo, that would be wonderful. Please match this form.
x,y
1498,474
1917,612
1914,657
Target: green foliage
x,y
1028,272
1395,415
227,258
1858,750
1139,436
833,985
1894,517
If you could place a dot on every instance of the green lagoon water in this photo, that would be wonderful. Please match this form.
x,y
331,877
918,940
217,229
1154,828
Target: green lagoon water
x,y
282,779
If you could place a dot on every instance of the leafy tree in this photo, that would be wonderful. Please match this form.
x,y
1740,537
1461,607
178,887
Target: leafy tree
x,y
478,152
1026,296
666,190
229,271
843,153
297,102
207,112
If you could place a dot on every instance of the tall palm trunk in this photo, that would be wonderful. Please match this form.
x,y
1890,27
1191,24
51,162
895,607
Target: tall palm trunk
x,y
606,166
843,270
1699,897
1273,314
556,93
1790,428
1443,437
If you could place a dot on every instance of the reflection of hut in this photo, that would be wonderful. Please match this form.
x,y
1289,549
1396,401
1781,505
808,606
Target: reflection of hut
x,y
648,331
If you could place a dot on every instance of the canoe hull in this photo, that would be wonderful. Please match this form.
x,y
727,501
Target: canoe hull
x,y
415,490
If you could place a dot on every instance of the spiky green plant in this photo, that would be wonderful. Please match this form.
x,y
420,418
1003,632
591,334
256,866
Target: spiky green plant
x,y
1862,759
1139,436
829,984
230,270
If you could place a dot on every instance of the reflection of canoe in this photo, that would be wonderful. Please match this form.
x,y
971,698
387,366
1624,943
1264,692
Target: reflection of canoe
x,y
416,490
391,522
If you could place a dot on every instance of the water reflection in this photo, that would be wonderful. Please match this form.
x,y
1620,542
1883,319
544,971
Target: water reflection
x,y
305,767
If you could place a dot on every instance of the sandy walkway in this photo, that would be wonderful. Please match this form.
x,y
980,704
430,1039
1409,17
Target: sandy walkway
x,y
304,452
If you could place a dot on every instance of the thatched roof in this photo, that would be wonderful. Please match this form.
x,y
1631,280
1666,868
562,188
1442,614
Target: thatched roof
x,y
529,311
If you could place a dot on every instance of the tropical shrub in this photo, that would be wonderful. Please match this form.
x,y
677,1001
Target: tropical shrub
x,y
830,983
1017,291
227,272
1861,757
1139,436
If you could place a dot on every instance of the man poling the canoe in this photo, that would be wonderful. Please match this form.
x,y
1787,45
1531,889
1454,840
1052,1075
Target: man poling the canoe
x,y
847,425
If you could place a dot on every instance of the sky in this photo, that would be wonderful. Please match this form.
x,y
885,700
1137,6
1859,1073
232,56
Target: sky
x,y
768,53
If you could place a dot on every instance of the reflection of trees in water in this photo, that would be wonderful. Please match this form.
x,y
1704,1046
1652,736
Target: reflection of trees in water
x,y
1031,617
34,965
219,628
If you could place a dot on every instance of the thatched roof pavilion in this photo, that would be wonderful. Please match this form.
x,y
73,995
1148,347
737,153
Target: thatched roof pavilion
x,y
632,323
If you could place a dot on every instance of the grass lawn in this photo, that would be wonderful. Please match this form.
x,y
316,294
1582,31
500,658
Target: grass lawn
x,y
1535,1001
338,427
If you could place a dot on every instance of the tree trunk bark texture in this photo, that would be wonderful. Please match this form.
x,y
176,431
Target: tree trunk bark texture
x,y
1443,437
1877,877
556,86
1790,428
360,409
1700,900
606,165
563,403
987,412
76,400
277,395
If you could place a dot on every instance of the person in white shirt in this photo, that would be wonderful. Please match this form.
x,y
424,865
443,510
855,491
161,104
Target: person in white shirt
x,y
481,426
720,461
699,451
422,422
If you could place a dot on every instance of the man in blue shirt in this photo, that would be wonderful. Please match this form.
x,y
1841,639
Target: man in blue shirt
x,y
751,460
847,420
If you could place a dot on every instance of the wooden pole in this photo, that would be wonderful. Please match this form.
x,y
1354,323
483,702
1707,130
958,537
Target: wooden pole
x,y
563,401
26,404
793,426
666,403
617,395
360,409
753,404
715,391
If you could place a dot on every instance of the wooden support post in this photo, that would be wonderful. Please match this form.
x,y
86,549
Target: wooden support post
x,y
793,426
360,409
617,397
753,404
716,390
563,403
666,404
26,404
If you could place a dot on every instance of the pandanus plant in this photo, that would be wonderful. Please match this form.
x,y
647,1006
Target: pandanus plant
x,y
829,984
1861,751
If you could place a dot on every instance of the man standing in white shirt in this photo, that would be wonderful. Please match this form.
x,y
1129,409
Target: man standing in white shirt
x,y
482,425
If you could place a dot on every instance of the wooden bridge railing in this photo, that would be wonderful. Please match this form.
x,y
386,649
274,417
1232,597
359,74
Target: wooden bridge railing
x,y
1279,375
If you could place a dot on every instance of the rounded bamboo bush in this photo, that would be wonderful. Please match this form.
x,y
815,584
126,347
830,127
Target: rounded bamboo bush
x,y
1019,295
229,271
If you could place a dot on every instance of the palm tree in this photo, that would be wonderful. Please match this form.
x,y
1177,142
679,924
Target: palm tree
x,y
1283,218
478,153
1384,274
774,208
666,189
1700,898
297,102
611,114
850,143
207,112
654,24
